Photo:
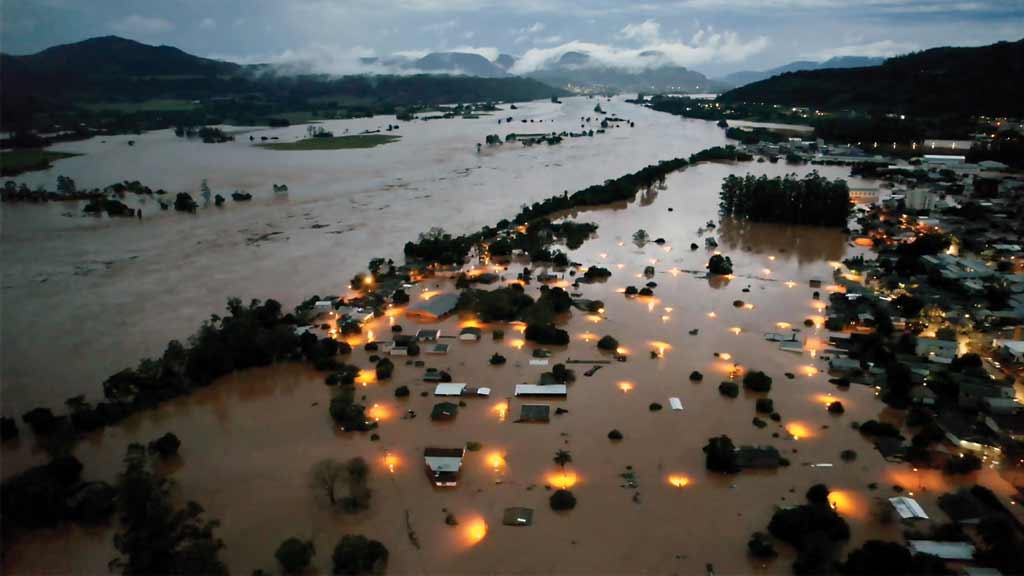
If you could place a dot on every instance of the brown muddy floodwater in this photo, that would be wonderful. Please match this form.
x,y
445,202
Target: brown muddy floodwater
x,y
249,440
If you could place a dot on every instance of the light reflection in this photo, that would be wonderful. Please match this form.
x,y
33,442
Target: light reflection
x,y
390,462
366,376
378,413
783,325
496,460
625,386
679,480
563,479
790,284
736,330
429,294
517,343
501,409
799,430
476,530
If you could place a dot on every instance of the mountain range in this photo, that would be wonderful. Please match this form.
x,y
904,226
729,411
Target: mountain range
x,y
939,81
749,76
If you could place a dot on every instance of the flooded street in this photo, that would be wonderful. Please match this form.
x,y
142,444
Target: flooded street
x,y
97,295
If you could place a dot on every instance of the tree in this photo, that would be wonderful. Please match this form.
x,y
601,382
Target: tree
x,y
155,537
719,265
294,555
325,476
720,455
204,191
562,457
356,554
607,342
757,381
562,500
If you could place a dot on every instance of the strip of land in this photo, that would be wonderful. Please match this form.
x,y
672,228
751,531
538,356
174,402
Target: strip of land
x,y
334,142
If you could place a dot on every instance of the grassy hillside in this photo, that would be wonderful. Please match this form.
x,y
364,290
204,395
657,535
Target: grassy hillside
x,y
953,81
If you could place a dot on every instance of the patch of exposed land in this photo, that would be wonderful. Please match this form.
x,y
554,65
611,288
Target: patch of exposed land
x,y
20,160
334,142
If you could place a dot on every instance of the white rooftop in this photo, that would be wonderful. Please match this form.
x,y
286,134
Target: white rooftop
x,y
908,508
536,390
944,550
449,389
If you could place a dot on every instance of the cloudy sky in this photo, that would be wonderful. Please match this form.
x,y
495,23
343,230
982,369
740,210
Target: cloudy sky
x,y
712,36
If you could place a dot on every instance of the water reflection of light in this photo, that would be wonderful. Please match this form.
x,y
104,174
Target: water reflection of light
x,y
563,479
818,305
679,480
587,336
673,271
843,502
496,460
390,462
783,325
625,386
472,323
668,309
622,351
661,347
476,530
772,258
595,318
519,327
665,317
824,399
620,266
603,254
766,271
517,343
366,376
790,284
378,413
429,294
808,370
712,315
748,306
736,330
799,430
818,321
725,356
501,409
369,335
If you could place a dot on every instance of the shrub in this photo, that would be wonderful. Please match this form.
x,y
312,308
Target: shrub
x,y
836,407
166,445
401,391
757,381
759,546
597,273
876,428
730,389
696,376
546,334
765,406
497,359
294,555
719,265
654,407
562,500
615,435
848,455
385,367
356,555
607,343
720,455
966,464
473,446
818,494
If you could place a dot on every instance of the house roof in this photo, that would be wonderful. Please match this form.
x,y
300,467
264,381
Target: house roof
x,y
517,516
436,307
441,460
908,508
535,390
444,410
944,550
449,389
534,413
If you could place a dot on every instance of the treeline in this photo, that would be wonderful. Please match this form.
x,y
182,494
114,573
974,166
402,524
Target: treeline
x,y
252,335
443,248
811,200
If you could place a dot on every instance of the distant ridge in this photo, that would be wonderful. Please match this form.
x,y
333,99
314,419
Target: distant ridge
x,y
738,79
962,81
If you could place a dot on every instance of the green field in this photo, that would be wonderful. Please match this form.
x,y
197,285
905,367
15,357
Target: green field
x,y
17,161
155,105
334,143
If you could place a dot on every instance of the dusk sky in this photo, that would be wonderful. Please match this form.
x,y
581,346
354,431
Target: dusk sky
x,y
714,37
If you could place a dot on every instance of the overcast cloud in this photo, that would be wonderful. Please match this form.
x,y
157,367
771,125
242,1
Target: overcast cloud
x,y
712,36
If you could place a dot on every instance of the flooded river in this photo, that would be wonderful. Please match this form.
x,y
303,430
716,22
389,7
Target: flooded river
x,y
249,440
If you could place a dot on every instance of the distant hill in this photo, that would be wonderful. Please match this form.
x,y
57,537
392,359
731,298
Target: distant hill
x,y
982,80
69,85
463,63
505,61
574,70
749,76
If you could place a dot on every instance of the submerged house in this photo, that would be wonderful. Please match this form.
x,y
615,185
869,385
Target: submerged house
x,y
433,309
443,465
